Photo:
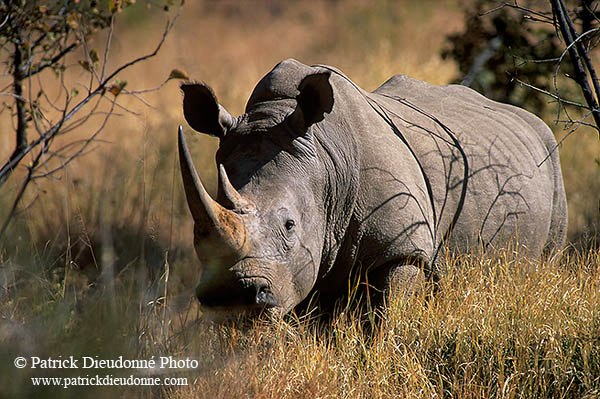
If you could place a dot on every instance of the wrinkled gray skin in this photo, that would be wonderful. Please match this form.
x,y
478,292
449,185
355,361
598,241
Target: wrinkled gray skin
x,y
319,179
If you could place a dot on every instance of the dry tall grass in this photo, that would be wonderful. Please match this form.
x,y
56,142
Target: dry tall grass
x,y
500,327
84,270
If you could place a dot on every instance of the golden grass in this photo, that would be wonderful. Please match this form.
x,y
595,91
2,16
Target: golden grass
x,y
500,327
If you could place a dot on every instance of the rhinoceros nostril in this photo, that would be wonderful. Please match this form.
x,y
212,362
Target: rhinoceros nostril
x,y
264,296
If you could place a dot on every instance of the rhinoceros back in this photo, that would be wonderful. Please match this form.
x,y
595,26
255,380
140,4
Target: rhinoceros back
x,y
514,188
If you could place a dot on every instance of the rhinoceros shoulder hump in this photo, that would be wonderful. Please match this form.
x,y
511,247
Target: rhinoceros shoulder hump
x,y
281,82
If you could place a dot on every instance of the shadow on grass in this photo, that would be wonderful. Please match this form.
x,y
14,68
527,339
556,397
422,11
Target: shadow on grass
x,y
96,294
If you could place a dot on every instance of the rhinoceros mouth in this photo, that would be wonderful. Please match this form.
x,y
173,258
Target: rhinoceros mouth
x,y
249,294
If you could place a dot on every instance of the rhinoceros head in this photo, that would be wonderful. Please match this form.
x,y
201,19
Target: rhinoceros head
x,y
260,243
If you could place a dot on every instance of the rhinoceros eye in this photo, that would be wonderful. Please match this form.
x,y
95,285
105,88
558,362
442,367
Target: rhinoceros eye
x,y
290,224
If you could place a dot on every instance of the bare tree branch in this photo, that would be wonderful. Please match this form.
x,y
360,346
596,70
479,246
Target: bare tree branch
x,y
583,53
97,91
52,61
21,131
71,116
541,17
564,23
549,94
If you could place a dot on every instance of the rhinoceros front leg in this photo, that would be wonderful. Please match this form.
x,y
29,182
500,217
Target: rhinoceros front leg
x,y
404,280
396,279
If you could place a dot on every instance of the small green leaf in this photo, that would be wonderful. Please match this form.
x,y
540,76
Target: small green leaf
x,y
72,20
94,55
85,65
114,6
178,74
117,87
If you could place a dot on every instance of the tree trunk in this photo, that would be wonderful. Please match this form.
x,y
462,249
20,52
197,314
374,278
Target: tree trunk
x,y
21,132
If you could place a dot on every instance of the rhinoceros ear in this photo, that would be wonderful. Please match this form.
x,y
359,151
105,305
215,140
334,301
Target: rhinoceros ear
x,y
203,112
315,98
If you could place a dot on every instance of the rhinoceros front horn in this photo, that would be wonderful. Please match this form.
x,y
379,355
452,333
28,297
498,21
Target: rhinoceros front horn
x,y
212,219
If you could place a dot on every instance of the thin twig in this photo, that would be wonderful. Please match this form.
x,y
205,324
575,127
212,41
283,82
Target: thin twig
x,y
53,61
5,20
586,58
88,59
567,51
136,93
577,125
79,151
556,97
107,48
20,193
545,17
